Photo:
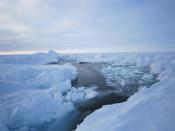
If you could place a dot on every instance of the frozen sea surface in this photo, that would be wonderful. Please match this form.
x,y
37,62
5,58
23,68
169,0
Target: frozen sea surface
x,y
39,97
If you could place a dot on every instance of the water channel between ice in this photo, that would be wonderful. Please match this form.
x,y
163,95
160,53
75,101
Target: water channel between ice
x,y
94,74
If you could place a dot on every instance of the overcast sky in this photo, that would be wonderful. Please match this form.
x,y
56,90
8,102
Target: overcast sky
x,y
87,25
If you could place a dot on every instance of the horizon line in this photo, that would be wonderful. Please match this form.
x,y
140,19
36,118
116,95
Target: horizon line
x,y
28,52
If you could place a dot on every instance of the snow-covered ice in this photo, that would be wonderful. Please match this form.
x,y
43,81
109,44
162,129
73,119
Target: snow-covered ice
x,y
34,76
81,94
35,97
151,109
32,95
39,97
38,58
148,110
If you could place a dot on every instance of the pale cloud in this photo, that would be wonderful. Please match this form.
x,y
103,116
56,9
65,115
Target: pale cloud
x,y
86,25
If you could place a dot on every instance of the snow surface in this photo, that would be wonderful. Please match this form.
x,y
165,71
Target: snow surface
x,y
38,58
128,78
20,77
35,97
151,109
81,94
32,95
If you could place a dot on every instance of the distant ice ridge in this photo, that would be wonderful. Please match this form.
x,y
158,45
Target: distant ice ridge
x,y
151,109
38,58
